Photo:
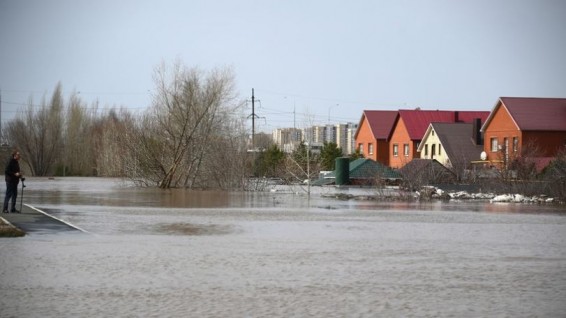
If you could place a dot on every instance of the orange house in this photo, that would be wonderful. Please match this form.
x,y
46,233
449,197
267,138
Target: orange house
x,y
411,125
374,131
516,122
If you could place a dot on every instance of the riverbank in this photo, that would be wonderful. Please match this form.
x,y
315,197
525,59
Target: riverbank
x,y
433,193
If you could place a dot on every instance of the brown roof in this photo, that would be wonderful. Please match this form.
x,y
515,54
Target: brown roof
x,y
532,114
428,170
457,141
380,122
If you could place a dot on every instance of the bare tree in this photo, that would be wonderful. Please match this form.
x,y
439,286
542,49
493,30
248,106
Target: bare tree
x,y
38,134
425,172
302,166
555,176
113,138
223,163
77,154
190,108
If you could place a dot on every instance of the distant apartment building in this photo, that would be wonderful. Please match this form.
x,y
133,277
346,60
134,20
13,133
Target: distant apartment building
x,y
318,134
330,135
344,137
287,139
350,139
341,134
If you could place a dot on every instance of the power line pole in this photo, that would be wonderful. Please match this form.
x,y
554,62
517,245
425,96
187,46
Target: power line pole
x,y
253,115
253,121
294,115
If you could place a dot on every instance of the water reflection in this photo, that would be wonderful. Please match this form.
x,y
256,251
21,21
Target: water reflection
x,y
116,192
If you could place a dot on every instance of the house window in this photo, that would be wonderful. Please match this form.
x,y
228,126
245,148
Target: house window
x,y
406,150
395,150
439,149
515,144
426,150
370,149
361,147
493,143
432,151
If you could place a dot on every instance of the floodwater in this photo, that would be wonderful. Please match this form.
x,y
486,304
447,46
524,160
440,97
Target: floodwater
x,y
176,253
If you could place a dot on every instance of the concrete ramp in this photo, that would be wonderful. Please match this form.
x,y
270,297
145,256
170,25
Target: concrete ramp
x,y
32,220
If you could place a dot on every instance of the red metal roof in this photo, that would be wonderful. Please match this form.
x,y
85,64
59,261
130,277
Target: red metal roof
x,y
381,122
548,114
469,116
417,121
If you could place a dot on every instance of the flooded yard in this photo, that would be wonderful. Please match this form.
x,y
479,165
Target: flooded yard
x,y
176,253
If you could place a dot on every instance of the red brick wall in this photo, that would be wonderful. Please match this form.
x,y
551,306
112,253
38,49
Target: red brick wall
x,y
380,147
400,137
365,137
547,143
502,126
383,152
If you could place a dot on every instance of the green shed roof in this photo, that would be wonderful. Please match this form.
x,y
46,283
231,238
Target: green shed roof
x,y
363,169
368,169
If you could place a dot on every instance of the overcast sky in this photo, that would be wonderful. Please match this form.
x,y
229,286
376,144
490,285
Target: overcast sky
x,y
325,59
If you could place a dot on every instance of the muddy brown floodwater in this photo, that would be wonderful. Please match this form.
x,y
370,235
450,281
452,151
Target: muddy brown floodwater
x,y
176,253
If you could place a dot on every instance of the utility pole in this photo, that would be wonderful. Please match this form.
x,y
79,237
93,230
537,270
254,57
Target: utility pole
x,y
294,115
253,115
253,121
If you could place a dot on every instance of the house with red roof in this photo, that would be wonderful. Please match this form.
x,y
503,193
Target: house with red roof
x,y
411,125
518,122
373,134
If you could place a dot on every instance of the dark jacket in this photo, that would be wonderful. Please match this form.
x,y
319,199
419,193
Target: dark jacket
x,y
12,168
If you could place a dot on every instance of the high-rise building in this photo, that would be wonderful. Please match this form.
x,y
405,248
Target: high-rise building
x,y
341,134
330,133
351,139
287,139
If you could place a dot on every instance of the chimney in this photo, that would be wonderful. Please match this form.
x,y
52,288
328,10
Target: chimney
x,y
476,133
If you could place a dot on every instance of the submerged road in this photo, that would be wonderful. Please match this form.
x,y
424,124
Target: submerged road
x,y
32,220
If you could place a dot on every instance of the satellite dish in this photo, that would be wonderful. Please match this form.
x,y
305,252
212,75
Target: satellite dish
x,y
483,155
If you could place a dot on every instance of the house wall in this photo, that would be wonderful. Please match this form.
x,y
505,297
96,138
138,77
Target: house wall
x,y
501,126
400,137
365,138
382,155
428,143
547,143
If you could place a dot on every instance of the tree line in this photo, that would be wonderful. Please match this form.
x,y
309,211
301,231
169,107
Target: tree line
x,y
193,135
